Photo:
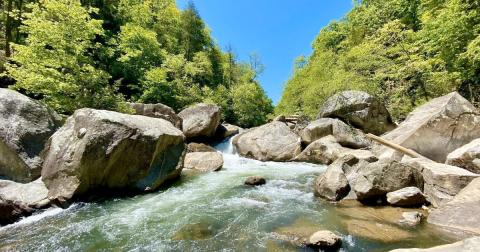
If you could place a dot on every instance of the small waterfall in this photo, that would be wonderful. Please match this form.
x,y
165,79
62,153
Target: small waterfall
x,y
226,146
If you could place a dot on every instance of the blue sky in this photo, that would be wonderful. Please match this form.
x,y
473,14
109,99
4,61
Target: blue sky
x,y
277,30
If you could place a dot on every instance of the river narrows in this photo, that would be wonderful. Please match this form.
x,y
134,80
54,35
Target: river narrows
x,y
212,212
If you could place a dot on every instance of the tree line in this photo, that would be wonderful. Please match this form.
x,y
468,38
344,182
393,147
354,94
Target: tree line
x,y
100,54
404,51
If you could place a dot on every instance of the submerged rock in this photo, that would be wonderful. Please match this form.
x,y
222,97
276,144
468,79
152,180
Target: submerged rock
x,y
359,109
25,126
441,181
324,239
462,212
345,135
255,181
200,120
408,196
157,110
274,141
468,245
194,232
204,161
105,150
411,218
435,129
467,156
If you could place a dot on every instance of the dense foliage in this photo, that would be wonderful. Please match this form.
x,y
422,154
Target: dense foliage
x,y
404,51
99,54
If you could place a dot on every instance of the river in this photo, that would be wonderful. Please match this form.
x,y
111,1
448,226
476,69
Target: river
x,y
214,212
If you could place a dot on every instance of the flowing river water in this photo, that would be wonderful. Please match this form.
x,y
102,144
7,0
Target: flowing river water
x,y
216,212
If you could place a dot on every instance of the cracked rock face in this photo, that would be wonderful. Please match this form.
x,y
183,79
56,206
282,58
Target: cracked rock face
x,y
467,156
435,129
105,150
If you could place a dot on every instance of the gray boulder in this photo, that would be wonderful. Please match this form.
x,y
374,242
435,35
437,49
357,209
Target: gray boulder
x,y
411,218
345,135
468,245
274,141
33,194
467,156
204,161
332,184
227,130
462,212
255,181
11,211
359,109
25,126
157,110
435,129
377,179
105,150
324,240
323,151
200,120
407,197
441,181
199,147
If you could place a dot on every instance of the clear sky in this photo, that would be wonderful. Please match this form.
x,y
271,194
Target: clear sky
x,y
277,30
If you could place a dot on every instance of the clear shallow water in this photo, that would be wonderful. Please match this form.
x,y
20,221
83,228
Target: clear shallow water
x,y
208,212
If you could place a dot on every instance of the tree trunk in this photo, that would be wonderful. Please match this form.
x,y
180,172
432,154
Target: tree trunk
x,y
8,28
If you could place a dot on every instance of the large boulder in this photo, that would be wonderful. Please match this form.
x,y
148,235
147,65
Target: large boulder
x,y
468,245
441,182
200,147
322,151
462,212
204,161
467,156
359,109
345,135
332,184
226,130
105,150
377,179
436,128
274,141
200,120
157,110
33,194
406,197
25,126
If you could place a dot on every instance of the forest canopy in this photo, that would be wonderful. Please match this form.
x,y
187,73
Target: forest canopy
x,y
404,51
100,54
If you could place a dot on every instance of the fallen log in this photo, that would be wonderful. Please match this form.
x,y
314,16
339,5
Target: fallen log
x,y
395,146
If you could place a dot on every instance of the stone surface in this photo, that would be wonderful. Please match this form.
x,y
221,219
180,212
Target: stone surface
x,y
204,161
345,135
411,218
255,181
104,150
33,194
25,126
200,147
227,130
468,245
441,181
200,120
377,179
324,239
11,211
359,109
462,212
408,196
435,129
467,156
157,110
323,151
274,141
332,184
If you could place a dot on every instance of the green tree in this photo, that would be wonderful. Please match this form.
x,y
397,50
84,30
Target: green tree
x,y
250,105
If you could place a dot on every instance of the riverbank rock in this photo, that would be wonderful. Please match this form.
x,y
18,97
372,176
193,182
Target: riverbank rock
x,y
324,239
467,156
25,126
462,212
204,161
345,135
226,130
359,109
157,110
255,181
406,197
105,150
11,211
441,181
468,245
33,194
200,120
199,147
377,179
435,129
273,141
411,219
332,184
323,151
